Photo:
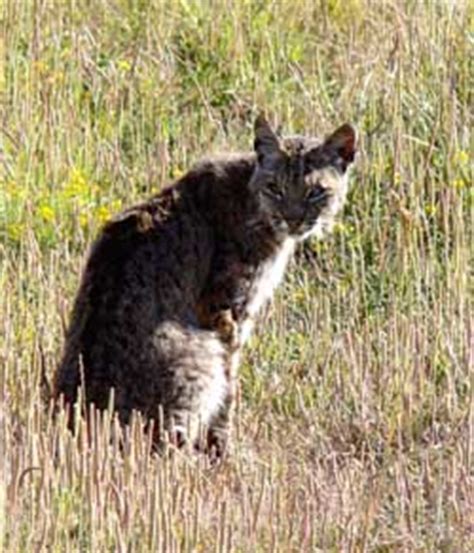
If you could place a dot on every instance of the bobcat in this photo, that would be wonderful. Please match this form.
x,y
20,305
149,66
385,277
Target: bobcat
x,y
173,286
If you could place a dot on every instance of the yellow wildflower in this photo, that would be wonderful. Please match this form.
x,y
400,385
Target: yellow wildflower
x,y
148,85
124,65
15,230
299,295
461,157
76,185
65,53
103,213
459,184
83,220
14,190
46,212
116,205
339,228
177,173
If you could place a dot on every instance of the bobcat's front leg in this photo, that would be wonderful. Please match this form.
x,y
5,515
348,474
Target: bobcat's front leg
x,y
224,323
218,434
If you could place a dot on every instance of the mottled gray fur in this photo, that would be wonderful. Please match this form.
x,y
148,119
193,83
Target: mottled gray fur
x,y
172,286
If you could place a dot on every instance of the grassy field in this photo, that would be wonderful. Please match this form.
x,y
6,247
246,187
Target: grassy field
x,y
355,423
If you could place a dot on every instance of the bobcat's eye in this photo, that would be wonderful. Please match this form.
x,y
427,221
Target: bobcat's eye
x,y
274,190
316,194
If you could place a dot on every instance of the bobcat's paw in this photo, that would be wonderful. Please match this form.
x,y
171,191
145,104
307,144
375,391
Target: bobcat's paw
x,y
227,328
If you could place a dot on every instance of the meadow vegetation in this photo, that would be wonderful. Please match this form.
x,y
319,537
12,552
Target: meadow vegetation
x,y
355,422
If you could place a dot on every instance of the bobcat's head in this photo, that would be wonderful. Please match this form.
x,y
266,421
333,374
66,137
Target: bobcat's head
x,y
301,183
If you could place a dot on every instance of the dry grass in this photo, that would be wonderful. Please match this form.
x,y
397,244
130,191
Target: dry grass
x,y
355,428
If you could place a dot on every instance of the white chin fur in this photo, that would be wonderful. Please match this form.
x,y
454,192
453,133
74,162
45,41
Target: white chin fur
x,y
320,229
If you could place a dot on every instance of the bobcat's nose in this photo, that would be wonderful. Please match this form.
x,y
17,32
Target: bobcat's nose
x,y
295,218
294,224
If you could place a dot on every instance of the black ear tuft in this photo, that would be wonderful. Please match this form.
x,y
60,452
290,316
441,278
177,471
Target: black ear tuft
x,y
266,141
343,143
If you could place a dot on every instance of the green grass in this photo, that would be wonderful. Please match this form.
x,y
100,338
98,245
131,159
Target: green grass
x,y
355,419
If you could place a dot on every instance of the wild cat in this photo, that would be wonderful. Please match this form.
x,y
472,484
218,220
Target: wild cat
x,y
173,286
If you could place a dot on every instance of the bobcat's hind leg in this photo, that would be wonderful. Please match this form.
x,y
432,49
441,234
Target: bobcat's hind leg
x,y
192,380
177,427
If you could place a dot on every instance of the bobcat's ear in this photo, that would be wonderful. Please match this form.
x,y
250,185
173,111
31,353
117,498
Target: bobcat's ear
x,y
342,142
266,141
